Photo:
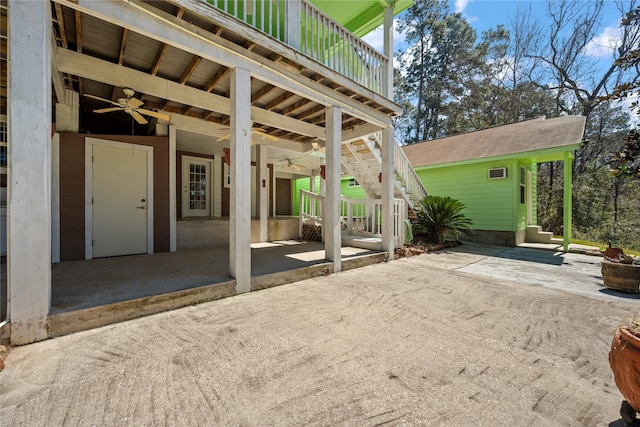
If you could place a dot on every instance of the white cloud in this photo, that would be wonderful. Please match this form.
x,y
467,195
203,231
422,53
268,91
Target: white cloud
x,y
376,38
604,43
460,5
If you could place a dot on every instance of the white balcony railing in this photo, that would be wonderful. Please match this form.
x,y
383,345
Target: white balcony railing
x,y
315,34
361,217
329,43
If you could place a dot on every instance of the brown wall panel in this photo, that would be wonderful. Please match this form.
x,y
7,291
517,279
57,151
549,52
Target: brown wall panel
x,y
72,191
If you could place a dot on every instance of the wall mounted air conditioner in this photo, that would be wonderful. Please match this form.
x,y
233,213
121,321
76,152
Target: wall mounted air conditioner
x,y
497,173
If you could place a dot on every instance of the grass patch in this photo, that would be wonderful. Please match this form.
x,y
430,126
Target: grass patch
x,y
603,246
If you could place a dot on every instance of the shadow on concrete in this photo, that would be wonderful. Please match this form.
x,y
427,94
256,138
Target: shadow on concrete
x,y
619,294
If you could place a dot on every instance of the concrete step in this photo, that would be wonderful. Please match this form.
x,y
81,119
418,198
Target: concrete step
x,y
364,242
534,234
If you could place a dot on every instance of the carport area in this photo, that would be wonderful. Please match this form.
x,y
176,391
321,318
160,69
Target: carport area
x,y
446,338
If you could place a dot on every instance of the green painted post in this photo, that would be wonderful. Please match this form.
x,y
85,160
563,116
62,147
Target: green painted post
x,y
567,201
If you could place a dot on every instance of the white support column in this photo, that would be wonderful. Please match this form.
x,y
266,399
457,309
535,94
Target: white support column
x,y
293,13
240,172
331,223
388,178
29,180
262,190
312,180
387,83
173,203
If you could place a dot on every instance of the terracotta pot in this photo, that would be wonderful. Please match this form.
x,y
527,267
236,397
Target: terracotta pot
x,y
612,252
621,277
624,359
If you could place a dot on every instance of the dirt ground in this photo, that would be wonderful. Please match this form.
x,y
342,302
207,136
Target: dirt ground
x,y
417,341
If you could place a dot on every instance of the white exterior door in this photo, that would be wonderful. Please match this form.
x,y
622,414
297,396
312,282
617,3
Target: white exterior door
x,y
121,205
196,186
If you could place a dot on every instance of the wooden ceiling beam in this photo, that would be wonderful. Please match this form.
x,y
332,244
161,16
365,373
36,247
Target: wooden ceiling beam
x,y
279,100
262,92
211,84
195,61
149,21
310,112
295,107
123,44
156,64
78,16
61,27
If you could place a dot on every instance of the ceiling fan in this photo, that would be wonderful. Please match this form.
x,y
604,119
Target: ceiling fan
x,y
288,164
129,105
255,130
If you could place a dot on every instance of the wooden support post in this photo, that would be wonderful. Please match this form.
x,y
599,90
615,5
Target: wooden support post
x,y
331,222
240,172
388,180
29,180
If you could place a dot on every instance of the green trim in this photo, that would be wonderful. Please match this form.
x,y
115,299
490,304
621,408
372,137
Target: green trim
x,y
538,156
568,203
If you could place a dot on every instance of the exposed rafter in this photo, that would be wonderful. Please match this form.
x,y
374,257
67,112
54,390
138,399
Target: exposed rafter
x,y
195,61
156,64
123,44
61,27
121,76
78,16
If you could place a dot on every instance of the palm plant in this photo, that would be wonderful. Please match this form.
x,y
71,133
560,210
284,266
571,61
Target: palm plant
x,y
438,215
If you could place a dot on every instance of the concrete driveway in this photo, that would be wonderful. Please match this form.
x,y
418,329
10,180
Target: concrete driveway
x,y
473,336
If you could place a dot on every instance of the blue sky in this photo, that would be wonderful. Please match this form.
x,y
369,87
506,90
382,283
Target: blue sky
x,y
485,14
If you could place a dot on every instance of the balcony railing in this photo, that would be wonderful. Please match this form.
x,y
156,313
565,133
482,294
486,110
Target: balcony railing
x,y
302,26
361,217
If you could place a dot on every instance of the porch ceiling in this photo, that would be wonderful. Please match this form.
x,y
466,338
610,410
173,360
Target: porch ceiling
x,y
102,53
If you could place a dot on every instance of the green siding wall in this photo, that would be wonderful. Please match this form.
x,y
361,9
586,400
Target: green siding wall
x,y
355,192
492,204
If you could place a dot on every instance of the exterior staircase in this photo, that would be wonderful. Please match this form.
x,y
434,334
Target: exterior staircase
x,y
362,160
536,235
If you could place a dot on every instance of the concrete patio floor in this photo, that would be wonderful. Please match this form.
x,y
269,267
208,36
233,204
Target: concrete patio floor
x,y
82,284
436,339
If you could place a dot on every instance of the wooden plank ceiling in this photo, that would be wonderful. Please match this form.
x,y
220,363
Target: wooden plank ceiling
x,y
94,37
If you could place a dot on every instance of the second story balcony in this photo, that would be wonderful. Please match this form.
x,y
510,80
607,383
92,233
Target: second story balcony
x,y
327,31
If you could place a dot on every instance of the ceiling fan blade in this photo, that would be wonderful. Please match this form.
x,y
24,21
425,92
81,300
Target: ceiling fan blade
x,y
222,138
107,110
155,114
101,99
135,102
141,120
265,135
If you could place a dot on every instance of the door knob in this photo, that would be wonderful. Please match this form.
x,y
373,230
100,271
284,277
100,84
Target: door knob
x,y
140,207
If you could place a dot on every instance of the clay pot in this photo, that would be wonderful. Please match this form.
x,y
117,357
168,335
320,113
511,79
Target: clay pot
x,y
612,252
621,277
624,359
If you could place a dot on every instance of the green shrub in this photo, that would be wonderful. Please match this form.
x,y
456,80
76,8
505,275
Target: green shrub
x,y
438,215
